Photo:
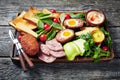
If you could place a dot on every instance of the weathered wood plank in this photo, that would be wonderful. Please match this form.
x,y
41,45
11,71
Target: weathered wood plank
x,y
115,39
61,71
9,9
5,41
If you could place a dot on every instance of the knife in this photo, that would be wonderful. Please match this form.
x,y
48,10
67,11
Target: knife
x,y
20,51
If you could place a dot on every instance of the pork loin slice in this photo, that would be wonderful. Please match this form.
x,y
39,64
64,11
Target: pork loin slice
x,y
57,54
54,45
47,58
44,49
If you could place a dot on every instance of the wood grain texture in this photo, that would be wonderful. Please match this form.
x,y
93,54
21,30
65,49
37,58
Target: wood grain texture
x,y
9,9
61,71
5,41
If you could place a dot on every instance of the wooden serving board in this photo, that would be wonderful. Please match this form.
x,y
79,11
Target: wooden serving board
x,y
14,56
14,53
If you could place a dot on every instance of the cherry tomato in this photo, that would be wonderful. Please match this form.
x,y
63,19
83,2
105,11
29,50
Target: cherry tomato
x,y
46,27
19,37
53,10
105,48
56,20
67,16
93,18
43,38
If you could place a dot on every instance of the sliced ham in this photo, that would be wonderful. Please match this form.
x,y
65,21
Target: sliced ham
x,y
44,49
47,58
57,54
50,51
54,45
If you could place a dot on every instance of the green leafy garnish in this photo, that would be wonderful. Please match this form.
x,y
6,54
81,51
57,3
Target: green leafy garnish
x,y
51,34
62,17
40,24
108,40
79,16
47,21
56,26
42,15
41,31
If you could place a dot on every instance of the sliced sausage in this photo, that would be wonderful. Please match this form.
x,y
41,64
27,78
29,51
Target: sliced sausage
x,y
54,45
44,49
57,54
47,58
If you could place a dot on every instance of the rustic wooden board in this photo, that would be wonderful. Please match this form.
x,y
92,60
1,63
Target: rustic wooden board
x,y
14,53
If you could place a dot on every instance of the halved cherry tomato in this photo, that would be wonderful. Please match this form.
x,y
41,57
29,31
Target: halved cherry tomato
x,y
43,38
46,27
105,48
19,37
67,16
53,10
56,20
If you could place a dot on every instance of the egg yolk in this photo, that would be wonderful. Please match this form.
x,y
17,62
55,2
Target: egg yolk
x,y
72,22
66,33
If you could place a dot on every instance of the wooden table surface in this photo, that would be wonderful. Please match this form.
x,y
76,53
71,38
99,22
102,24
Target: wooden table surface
x,y
60,71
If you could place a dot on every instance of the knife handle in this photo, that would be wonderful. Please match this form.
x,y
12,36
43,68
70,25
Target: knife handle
x,y
30,63
22,63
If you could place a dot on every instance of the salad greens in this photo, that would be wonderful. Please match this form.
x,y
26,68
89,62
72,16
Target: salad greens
x,y
51,34
45,19
108,40
93,50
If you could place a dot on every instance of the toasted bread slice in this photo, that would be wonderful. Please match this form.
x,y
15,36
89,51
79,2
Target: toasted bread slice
x,y
20,20
22,27
30,15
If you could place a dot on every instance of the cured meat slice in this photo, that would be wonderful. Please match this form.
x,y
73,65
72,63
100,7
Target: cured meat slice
x,y
47,58
54,45
57,54
44,49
